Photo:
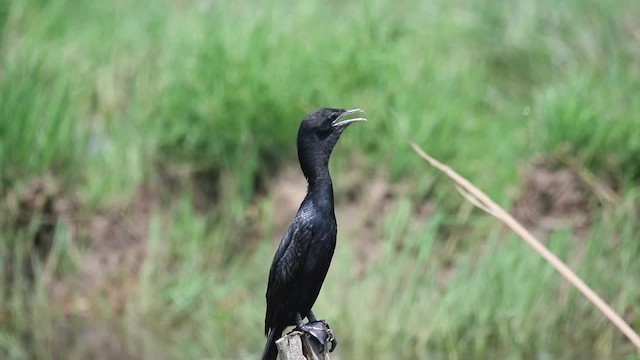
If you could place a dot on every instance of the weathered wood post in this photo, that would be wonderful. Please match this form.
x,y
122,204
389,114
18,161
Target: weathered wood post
x,y
300,346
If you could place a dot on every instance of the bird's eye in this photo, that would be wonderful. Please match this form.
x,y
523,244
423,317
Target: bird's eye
x,y
329,121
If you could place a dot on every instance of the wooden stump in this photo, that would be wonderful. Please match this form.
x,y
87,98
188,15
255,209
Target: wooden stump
x,y
299,346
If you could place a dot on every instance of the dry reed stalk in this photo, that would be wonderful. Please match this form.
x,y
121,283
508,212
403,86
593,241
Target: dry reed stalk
x,y
482,201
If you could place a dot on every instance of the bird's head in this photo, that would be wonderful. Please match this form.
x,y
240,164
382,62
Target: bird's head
x,y
328,121
318,134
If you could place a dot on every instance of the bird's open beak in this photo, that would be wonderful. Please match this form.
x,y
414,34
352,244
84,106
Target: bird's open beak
x,y
339,122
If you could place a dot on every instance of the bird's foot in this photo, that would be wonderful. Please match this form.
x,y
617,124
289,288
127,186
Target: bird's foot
x,y
321,332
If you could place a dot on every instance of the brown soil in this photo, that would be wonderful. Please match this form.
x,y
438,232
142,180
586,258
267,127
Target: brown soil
x,y
553,197
363,200
115,248
107,250
19,207
78,339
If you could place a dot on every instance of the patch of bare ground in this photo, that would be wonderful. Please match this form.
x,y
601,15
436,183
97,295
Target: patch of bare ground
x,y
287,189
115,248
36,206
107,249
108,339
364,200
554,197
114,242
204,184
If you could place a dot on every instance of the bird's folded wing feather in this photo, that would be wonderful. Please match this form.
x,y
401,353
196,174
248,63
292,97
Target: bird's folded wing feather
x,y
287,263
291,254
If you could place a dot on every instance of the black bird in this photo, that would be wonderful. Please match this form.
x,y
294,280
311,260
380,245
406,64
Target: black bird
x,y
304,254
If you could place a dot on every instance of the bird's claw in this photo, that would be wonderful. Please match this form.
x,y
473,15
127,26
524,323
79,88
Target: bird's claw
x,y
320,331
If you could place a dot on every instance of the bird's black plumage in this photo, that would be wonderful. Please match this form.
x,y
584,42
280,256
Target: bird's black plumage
x,y
304,254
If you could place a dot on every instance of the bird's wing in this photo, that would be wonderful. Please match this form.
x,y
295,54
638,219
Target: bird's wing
x,y
287,263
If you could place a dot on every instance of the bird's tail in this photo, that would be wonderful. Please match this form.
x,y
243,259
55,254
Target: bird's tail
x,y
270,349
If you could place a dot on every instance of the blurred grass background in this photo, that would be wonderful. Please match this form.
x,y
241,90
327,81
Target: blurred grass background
x,y
146,148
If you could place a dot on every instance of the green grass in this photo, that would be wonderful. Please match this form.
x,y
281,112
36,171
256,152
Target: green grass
x,y
108,98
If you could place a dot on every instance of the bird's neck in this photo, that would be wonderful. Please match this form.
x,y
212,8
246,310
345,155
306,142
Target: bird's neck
x,y
314,160
320,191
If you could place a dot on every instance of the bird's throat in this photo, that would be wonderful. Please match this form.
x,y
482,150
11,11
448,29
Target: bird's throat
x,y
320,192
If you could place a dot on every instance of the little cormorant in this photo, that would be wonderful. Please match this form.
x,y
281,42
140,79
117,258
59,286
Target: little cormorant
x,y
302,260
